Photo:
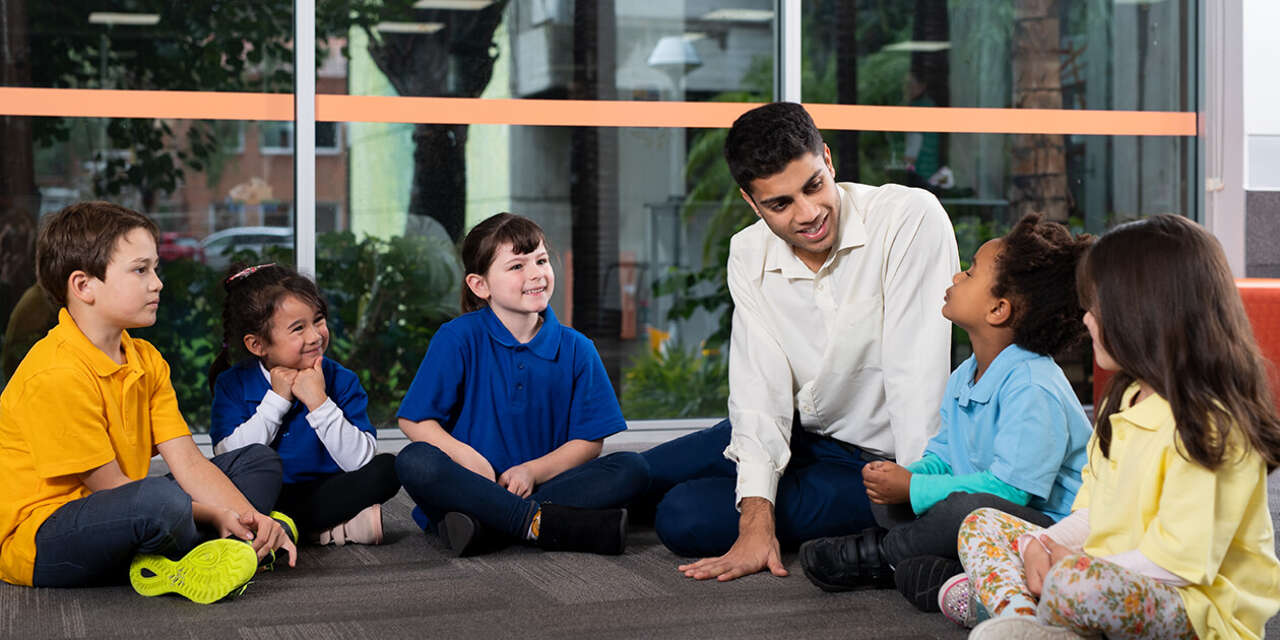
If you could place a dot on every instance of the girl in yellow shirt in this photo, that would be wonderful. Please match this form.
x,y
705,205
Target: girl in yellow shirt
x,y
1169,536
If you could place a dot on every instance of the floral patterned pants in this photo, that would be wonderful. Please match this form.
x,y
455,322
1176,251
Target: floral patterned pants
x,y
1085,594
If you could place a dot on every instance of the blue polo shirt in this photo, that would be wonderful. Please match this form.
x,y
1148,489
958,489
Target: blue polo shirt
x,y
240,389
509,401
1022,422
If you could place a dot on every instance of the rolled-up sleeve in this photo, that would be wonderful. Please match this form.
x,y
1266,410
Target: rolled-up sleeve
x,y
761,398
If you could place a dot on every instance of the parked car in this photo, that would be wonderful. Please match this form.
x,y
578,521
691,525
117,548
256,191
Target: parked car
x,y
220,246
174,246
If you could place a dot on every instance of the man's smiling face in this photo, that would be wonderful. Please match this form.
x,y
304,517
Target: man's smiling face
x,y
801,205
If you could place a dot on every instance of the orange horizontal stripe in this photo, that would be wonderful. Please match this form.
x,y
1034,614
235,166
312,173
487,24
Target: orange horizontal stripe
x,y
110,103
585,113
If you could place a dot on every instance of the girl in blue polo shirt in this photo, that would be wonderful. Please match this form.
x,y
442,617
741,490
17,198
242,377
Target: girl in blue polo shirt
x,y
509,410
1013,433
308,408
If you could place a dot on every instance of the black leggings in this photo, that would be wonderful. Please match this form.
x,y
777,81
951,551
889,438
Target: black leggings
x,y
321,504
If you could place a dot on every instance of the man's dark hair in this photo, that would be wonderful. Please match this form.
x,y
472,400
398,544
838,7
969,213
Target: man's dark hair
x,y
82,237
764,140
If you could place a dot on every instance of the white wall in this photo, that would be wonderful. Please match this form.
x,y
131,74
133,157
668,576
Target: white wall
x,y
1261,94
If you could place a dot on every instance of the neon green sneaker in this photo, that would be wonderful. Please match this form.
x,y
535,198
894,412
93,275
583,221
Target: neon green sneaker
x,y
269,560
208,573
289,527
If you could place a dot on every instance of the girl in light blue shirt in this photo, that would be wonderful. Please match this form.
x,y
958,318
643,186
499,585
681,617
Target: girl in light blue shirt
x,y
1013,433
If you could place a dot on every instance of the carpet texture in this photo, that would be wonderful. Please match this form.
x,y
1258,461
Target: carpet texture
x,y
409,588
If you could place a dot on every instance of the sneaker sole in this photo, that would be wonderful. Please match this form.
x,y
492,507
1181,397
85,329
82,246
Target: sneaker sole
x,y
208,573
458,533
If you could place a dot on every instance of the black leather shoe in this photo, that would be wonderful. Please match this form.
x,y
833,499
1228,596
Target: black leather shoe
x,y
847,563
602,531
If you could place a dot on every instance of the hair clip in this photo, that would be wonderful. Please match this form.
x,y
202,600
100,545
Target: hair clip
x,y
246,272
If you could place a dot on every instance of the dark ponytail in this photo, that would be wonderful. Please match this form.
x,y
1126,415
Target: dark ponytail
x,y
252,296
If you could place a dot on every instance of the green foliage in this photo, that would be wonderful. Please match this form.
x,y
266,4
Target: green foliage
x,y
386,299
672,382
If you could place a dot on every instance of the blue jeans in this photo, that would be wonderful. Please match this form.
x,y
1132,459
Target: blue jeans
x,y
820,493
90,541
440,485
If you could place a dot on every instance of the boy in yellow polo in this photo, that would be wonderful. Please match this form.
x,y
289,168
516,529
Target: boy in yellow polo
x,y
81,418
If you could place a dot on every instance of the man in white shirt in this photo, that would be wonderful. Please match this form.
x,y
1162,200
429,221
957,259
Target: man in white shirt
x,y
839,354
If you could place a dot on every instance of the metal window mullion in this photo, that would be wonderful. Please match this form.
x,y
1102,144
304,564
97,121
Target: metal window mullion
x,y
304,134
786,59
1222,128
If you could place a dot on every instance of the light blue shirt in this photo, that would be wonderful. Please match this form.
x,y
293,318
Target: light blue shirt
x,y
1022,422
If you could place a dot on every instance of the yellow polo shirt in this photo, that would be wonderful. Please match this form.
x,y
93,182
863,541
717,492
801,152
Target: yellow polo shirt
x,y
1210,528
68,409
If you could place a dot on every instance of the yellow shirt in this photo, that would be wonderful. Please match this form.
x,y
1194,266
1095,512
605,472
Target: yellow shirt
x,y
1210,528
70,409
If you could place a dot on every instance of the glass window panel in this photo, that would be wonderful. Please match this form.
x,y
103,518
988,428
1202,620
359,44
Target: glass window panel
x,y
218,201
200,45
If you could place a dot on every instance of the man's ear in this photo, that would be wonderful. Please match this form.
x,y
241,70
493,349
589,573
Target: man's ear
x,y
826,158
255,345
1000,313
478,285
746,197
80,285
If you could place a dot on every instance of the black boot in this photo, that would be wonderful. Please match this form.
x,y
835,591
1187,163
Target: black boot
x,y
602,531
847,563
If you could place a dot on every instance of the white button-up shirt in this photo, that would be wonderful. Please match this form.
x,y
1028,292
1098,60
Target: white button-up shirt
x,y
859,348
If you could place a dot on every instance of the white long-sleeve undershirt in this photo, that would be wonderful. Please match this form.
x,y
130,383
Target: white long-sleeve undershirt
x,y
350,447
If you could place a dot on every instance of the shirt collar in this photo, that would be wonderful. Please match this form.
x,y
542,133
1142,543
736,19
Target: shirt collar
x,y
1150,414
852,233
102,364
266,375
982,390
545,344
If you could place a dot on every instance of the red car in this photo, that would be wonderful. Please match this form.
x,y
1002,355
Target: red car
x,y
174,246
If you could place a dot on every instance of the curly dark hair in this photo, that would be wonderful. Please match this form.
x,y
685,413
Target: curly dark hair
x,y
1036,270
764,140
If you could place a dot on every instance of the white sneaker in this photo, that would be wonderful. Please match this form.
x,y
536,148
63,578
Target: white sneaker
x,y
955,601
1019,628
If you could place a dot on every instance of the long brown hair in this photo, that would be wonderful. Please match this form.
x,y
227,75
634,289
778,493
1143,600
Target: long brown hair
x,y
1170,315
482,244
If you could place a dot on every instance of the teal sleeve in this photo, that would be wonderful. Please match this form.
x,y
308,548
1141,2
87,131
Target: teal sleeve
x,y
931,463
930,489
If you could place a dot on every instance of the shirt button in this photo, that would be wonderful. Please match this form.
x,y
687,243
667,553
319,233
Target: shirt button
x,y
519,386
520,365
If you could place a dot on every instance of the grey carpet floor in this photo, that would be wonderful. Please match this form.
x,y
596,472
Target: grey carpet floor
x,y
408,588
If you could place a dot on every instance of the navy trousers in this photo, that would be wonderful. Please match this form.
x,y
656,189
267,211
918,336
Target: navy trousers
x,y
91,541
440,485
820,493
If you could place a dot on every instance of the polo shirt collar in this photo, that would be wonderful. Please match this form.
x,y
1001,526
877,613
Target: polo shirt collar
x,y
545,344
102,364
996,372
852,233
1150,414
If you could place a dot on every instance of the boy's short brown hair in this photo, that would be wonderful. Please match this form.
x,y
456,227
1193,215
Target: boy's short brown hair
x,y
82,237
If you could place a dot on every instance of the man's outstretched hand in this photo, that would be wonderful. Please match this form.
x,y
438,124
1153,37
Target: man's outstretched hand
x,y
756,548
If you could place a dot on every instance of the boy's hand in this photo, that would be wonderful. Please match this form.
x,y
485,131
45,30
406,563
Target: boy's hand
x,y
282,379
886,482
268,535
518,480
309,386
